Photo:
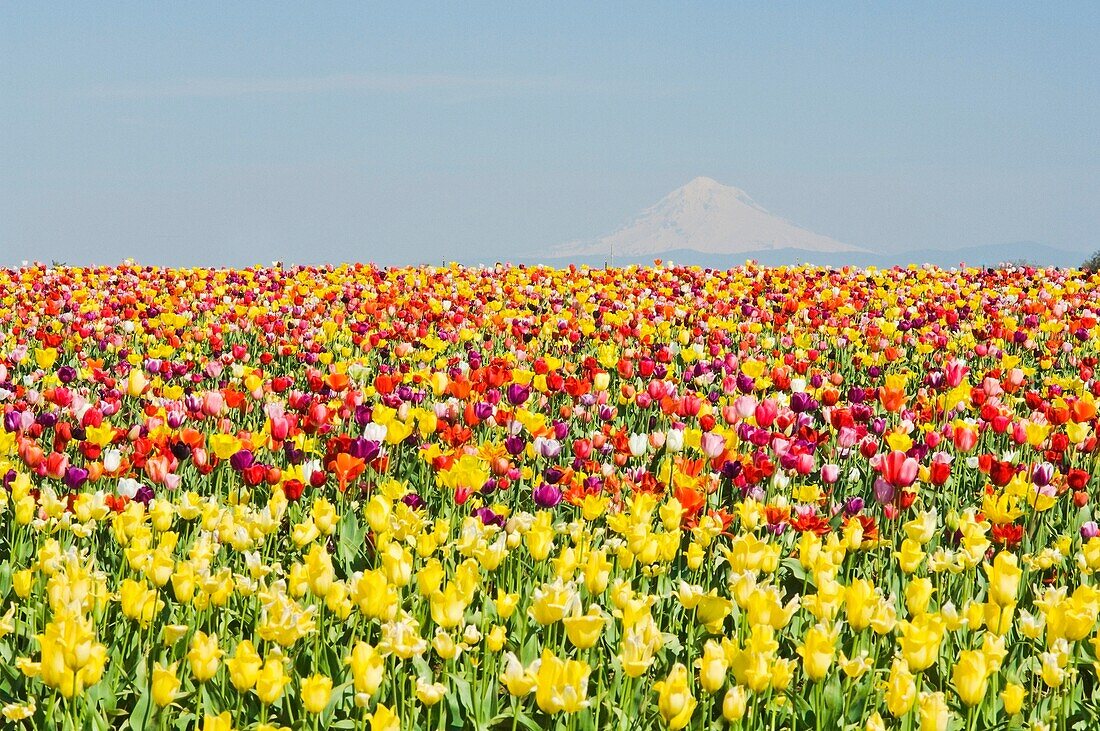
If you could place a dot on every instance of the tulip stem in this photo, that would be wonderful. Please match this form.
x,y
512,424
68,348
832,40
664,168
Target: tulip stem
x,y
972,718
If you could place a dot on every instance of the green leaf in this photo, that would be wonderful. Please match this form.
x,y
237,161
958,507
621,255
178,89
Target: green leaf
x,y
138,718
795,567
504,720
465,695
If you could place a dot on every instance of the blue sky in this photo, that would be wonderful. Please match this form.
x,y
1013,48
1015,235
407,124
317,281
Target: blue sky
x,y
239,133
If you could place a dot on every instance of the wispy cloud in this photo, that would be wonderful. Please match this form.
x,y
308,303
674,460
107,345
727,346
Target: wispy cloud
x,y
382,83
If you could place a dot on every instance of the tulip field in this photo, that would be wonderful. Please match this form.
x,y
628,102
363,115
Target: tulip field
x,y
434,498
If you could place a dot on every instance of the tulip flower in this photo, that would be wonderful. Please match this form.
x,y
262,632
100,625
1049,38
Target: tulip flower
x,y
204,656
675,701
316,691
165,683
970,676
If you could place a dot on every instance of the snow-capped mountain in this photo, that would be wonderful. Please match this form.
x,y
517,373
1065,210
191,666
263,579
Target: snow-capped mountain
x,y
707,217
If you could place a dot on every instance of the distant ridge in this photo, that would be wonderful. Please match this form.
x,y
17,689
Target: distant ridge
x,y
975,256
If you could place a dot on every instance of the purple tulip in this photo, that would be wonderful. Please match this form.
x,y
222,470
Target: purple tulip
x,y
241,460
365,449
801,402
548,448
884,491
413,500
1042,474
518,394
488,517
731,468
546,496
75,477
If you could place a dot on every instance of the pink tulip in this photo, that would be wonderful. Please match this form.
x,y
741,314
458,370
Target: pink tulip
x,y
712,444
898,469
765,412
955,371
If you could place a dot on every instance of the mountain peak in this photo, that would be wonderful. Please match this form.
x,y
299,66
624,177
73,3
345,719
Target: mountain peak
x,y
702,183
708,217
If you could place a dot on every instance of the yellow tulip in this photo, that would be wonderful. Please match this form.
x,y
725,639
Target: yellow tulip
x,y
551,601
319,571
970,677
72,660
368,668
204,656
934,713
165,683
139,602
860,600
856,667
496,638
1004,578
271,680
998,618
224,446
44,358
584,630
221,722
712,667
735,703
918,594
244,666
448,607
518,680
23,580
383,719
712,610
429,693
920,641
674,698
817,650
901,689
136,383
561,686
1013,698
506,603
316,691
910,556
